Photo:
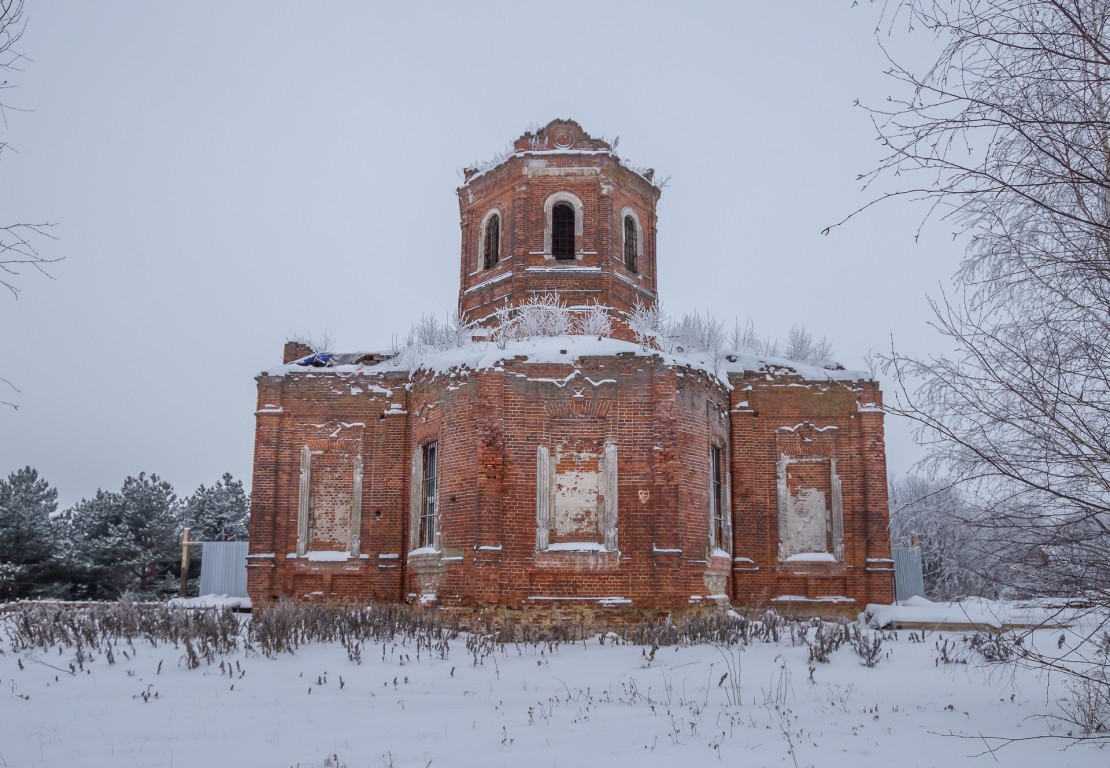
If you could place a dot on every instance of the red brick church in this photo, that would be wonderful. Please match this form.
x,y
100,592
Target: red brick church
x,y
569,476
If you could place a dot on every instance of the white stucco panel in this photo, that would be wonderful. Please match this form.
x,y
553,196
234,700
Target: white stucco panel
x,y
806,522
576,494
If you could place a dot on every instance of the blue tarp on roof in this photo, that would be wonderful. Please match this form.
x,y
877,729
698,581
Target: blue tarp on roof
x,y
329,359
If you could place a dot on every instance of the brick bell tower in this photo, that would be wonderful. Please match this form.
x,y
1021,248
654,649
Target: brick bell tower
x,y
561,214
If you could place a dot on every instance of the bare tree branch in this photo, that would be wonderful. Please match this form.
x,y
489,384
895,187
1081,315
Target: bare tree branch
x,y
18,251
1007,134
18,242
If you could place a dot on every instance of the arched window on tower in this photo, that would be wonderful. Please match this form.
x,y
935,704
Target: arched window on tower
x,y
630,244
562,231
492,242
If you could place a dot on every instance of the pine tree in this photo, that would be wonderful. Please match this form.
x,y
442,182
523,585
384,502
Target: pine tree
x,y
219,513
27,536
122,541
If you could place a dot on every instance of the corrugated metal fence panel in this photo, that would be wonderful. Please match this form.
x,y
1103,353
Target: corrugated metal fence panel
x,y
909,580
223,568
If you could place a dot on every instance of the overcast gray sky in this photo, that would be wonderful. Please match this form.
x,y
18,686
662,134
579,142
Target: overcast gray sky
x,y
226,174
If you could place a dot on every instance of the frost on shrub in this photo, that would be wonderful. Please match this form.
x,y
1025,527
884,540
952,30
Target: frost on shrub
x,y
546,315
541,315
803,347
868,646
323,342
287,625
429,334
705,334
648,325
593,320
720,630
694,333
825,639
1087,704
745,338
109,628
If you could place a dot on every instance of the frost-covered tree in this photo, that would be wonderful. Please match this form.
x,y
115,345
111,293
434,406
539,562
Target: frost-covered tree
x,y
27,537
218,513
648,324
744,339
593,320
1006,132
19,241
542,315
696,333
744,336
430,334
802,346
122,541
957,558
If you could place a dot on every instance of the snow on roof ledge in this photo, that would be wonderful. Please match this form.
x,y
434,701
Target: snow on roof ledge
x,y
558,137
482,355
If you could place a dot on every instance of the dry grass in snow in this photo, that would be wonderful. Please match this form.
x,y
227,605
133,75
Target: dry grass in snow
x,y
127,685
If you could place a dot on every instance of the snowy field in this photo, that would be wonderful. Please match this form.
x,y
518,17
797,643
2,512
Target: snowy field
x,y
467,701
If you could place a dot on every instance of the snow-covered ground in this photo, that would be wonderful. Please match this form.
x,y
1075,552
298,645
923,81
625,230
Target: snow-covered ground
x,y
977,611
588,703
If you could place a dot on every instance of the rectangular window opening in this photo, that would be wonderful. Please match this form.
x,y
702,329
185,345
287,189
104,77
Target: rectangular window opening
x,y
716,499
429,503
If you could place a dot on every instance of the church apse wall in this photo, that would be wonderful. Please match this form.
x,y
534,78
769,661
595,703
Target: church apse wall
x,y
570,500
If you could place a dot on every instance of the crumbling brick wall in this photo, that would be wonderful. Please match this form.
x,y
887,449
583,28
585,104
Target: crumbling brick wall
x,y
517,190
336,419
659,421
583,480
798,440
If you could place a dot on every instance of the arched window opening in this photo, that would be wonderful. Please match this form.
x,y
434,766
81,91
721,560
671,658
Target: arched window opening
x,y
562,231
493,242
630,244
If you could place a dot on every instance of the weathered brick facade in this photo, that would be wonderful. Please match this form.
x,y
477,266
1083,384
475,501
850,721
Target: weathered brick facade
x,y
567,485
558,164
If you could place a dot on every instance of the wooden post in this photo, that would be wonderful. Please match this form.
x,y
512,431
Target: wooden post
x,y
185,544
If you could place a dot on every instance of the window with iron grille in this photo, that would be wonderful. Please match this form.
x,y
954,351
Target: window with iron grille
x,y
630,244
562,231
429,505
717,509
493,244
